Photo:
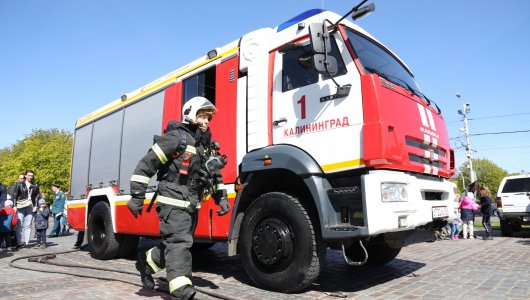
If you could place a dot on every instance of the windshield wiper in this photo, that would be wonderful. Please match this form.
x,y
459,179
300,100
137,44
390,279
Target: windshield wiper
x,y
430,101
406,87
388,76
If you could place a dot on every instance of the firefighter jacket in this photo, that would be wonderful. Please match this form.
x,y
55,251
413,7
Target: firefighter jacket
x,y
179,185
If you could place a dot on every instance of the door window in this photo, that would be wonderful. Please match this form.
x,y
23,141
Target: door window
x,y
298,71
201,84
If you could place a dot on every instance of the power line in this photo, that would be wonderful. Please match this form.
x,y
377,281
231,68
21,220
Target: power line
x,y
500,116
501,148
486,149
501,132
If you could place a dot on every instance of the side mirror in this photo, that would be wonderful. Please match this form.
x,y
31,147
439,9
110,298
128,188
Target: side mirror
x,y
321,44
319,37
325,63
363,11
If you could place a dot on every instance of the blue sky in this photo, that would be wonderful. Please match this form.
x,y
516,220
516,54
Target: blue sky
x,y
60,60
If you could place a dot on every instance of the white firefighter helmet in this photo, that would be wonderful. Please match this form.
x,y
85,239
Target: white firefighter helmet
x,y
190,108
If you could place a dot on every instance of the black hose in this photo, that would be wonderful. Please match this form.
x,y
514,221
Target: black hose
x,y
11,264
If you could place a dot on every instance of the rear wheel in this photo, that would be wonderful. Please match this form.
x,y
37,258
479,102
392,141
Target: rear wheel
x,y
378,254
280,248
101,237
506,228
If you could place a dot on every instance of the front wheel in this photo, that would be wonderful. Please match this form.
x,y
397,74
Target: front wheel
x,y
280,248
101,238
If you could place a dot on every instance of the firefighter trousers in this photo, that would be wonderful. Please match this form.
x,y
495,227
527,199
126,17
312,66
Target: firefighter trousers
x,y
173,253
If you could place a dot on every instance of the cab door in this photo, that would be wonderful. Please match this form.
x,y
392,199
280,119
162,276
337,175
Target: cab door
x,y
304,113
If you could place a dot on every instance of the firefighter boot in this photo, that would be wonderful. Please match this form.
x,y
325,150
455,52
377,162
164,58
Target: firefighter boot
x,y
145,271
185,293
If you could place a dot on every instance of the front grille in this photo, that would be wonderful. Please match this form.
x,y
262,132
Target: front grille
x,y
430,156
422,146
425,161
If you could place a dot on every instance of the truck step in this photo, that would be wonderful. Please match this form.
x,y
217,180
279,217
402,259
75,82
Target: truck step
x,y
344,190
345,228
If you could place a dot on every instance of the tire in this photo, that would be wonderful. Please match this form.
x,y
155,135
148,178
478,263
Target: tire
x,y
128,245
101,237
280,248
378,254
506,228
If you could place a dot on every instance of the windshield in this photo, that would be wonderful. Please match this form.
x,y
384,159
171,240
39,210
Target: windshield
x,y
379,61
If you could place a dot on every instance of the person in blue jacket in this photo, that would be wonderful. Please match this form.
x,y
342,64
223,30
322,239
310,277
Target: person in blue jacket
x,y
41,223
59,200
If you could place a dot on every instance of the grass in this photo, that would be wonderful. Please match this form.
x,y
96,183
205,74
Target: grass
x,y
495,223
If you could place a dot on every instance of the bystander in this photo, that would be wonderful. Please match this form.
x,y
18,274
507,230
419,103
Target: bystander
x,y
59,200
3,194
41,223
21,178
25,200
486,209
8,221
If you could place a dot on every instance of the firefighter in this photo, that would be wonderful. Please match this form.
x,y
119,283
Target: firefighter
x,y
180,155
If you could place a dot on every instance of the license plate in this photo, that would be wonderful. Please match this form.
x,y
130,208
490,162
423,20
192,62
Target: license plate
x,y
439,212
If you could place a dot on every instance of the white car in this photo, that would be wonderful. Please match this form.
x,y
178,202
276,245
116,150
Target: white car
x,y
513,203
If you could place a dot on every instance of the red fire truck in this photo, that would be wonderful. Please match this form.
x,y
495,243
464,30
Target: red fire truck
x,y
330,143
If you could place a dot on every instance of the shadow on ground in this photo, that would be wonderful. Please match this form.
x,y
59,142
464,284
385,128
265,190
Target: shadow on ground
x,y
334,275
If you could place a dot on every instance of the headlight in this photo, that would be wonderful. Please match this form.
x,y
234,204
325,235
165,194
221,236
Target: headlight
x,y
394,192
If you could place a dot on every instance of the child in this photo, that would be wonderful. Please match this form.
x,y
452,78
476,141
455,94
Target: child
x,y
467,207
41,223
487,210
8,222
455,225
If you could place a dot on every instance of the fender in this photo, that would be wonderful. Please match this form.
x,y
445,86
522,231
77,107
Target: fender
x,y
113,200
296,161
287,157
107,192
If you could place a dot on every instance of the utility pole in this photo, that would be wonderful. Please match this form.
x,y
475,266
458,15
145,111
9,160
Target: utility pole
x,y
464,111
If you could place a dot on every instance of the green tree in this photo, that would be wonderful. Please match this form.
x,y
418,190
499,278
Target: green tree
x,y
47,152
488,174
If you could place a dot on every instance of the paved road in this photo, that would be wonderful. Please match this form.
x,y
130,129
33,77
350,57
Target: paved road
x,y
442,270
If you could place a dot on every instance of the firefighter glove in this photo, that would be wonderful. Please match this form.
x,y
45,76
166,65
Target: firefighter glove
x,y
214,164
203,178
225,207
135,206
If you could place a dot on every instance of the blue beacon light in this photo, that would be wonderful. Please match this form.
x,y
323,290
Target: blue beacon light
x,y
297,19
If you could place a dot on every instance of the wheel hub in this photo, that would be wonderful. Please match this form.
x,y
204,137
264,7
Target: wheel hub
x,y
272,242
99,230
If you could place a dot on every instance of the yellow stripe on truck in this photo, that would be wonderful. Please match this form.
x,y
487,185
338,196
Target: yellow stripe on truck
x,y
118,104
76,205
121,203
343,165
